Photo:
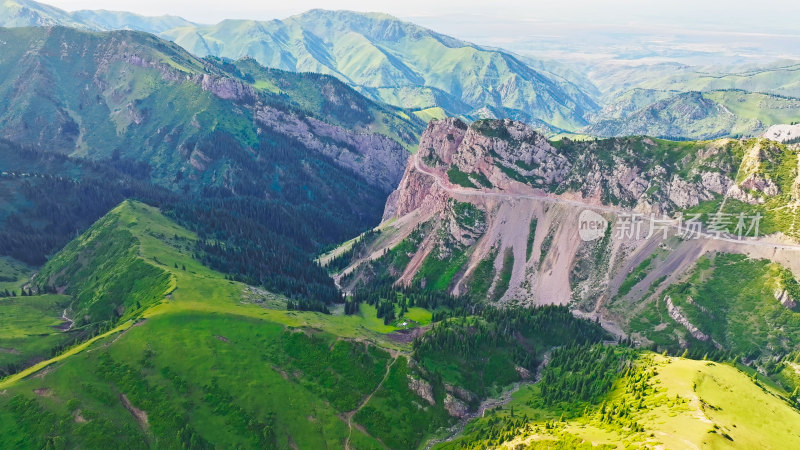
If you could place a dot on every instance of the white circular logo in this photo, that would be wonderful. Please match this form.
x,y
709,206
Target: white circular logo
x,y
591,226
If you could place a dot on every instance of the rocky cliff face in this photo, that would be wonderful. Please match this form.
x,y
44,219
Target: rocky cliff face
x,y
493,210
377,158
228,88
152,101
640,173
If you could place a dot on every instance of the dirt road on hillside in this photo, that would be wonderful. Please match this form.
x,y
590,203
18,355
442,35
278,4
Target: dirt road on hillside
x,y
535,194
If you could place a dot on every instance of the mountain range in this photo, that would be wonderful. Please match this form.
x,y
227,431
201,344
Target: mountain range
x,y
694,114
434,75
127,335
384,58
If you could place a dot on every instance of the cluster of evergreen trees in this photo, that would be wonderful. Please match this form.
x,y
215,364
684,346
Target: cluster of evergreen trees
x,y
582,373
342,260
393,302
55,198
23,292
521,331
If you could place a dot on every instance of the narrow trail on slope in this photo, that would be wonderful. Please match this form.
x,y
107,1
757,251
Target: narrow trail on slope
x,y
351,414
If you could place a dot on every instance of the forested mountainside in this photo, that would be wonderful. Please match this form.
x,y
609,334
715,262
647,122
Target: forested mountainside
x,y
253,159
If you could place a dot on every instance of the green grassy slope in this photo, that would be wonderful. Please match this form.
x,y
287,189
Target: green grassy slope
x,y
732,300
247,375
103,271
658,401
205,361
31,330
209,362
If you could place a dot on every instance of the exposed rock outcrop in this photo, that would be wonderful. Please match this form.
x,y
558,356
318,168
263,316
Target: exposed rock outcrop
x,y
455,407
415,192
375,157
422,388
756,182
442,139
523,373
678,316
228,88
685,194
783,133
460,393
782,295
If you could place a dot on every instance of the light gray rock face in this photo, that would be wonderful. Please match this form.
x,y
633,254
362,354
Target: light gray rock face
x,y
374,157
678,316
422,388
227,88
783,133
758,183
782,295
455,407
518,147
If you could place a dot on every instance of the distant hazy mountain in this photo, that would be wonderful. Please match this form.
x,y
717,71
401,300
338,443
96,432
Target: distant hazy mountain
x,y
397,62
121,20
780,78
694,115
434,75
385,58
25,13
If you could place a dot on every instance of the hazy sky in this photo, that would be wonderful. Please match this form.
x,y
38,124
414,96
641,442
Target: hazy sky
x,y
688,31
742,15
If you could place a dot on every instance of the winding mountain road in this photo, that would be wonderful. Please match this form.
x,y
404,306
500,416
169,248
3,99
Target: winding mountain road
x,y
553,199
